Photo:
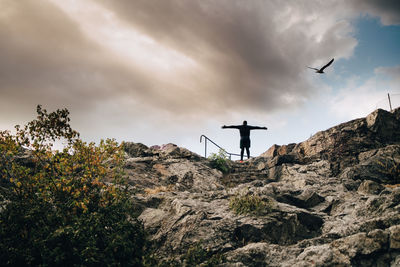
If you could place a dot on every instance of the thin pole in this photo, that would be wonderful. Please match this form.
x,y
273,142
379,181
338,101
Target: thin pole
x,y
390,103
205,149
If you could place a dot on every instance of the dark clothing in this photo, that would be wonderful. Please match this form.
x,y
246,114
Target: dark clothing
x,y
244,142
244,136
244,133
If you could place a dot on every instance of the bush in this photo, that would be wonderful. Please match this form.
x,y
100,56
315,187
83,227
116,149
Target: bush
x,y
219,161
249,203
55,207
196,255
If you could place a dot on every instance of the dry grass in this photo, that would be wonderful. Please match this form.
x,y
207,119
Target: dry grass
x,y
391,185
250,203
158,189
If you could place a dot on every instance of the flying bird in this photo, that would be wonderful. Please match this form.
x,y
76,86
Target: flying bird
x,y
321,70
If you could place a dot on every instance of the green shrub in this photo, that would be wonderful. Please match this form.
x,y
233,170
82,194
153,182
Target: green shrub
x,y
55,208
249,203
196,255
219,161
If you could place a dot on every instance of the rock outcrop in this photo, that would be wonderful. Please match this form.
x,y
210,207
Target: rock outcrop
x,y
333,200
341,145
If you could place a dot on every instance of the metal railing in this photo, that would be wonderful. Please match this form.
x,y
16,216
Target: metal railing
x,y
205,147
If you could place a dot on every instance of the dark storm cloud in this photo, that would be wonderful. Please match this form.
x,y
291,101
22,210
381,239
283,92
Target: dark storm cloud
x,y
248,55
46,59
387,10
255,61
230,40
39,48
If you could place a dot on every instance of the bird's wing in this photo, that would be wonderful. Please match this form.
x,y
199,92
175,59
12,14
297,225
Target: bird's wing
x,y
329,63
312,68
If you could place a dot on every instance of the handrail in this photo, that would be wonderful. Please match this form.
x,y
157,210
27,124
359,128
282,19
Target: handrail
x,y
205,147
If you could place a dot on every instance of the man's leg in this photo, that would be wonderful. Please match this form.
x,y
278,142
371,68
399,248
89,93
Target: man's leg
x,y
241,154
248,152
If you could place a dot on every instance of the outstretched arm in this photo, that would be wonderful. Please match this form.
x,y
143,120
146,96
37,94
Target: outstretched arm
x,y
258,128
230,127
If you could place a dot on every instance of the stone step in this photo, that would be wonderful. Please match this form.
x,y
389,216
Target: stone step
x,y
253,177
249,172
243,166
233,180
243,173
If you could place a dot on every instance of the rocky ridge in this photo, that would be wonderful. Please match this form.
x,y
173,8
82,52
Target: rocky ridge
x,y
335,200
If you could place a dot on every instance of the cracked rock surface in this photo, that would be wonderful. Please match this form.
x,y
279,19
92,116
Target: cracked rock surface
x,y
334,199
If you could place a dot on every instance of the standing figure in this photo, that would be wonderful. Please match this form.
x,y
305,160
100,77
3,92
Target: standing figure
x,y
244,136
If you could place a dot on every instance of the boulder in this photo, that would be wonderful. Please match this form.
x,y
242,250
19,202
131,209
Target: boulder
x,y
335,200
136,149
152,219
277,150
379,165
343,143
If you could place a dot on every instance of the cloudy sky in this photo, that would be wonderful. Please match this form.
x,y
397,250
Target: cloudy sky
x,y
161,72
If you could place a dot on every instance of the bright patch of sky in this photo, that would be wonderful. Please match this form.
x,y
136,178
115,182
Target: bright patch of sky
x,y
351,88
361,83
378,45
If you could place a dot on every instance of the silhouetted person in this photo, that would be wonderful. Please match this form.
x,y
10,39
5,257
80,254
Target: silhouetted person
x,y
244,136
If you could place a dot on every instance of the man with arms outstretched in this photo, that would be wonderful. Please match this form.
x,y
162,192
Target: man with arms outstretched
x,y
244,136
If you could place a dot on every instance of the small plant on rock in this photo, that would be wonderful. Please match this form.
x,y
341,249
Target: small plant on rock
x,y
219,161
249,203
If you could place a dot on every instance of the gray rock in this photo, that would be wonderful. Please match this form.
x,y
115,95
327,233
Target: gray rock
x,y
395,262
136,149
334,205
378,165
343,143
394,237
152,219
370,187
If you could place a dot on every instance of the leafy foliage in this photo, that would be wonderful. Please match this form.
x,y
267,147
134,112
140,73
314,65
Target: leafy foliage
x,y
55,206
249,203
219,161
196,255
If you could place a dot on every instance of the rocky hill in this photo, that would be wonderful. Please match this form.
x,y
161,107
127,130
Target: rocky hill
x,y
332,200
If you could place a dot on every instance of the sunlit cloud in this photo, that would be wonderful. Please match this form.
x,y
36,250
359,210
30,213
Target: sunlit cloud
x,y
358,100
131,46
